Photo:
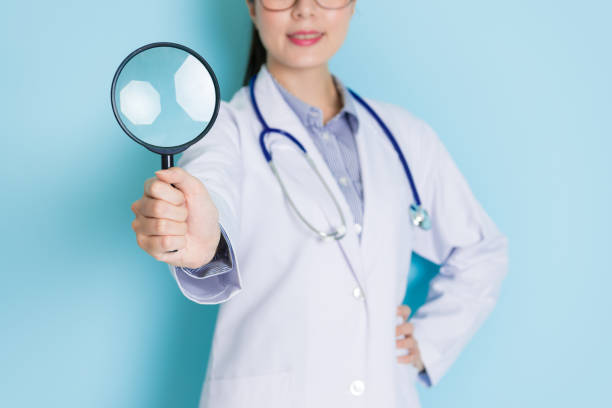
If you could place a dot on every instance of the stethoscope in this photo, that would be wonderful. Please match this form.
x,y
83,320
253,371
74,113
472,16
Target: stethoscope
x,y
418,214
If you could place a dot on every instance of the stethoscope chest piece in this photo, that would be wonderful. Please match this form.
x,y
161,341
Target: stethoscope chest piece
x,y
419,217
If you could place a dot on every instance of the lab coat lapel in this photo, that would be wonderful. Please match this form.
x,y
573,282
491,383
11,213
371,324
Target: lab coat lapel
x,y
374,159
279,115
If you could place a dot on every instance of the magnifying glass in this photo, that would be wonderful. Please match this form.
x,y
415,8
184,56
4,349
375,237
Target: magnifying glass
x,y
165,96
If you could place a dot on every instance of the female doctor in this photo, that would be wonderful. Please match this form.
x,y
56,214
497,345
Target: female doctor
x,y
315,257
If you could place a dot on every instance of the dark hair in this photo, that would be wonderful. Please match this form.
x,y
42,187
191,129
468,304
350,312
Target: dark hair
x,y
257,56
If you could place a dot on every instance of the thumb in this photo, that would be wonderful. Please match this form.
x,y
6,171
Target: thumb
x,y
179,178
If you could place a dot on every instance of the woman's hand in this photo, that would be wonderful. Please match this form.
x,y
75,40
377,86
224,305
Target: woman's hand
x,y
182,218
407,342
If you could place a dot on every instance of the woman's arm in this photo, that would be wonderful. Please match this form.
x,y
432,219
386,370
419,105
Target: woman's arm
x,y
472,254
215,160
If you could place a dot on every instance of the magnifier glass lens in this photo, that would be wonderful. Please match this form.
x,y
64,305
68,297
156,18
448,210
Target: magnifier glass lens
x,y
165,96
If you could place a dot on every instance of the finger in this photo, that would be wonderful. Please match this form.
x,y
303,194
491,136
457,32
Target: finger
x,y
159,226
157,245
404,311
407,358
135,206
407,343
154,208
404,328
155,188
179,177
172,258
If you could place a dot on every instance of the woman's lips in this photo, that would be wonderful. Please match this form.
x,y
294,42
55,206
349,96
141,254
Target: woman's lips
x,y
311,38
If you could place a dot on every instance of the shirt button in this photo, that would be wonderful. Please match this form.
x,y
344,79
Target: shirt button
x,y
358,228
343,180
357,387
325,135
357,293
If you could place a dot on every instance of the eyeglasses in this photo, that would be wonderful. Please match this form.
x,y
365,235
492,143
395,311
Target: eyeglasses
x,y
279,5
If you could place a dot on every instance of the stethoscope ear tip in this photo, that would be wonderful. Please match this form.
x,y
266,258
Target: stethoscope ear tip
x,y
338,234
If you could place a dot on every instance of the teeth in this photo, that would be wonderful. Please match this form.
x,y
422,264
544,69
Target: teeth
x,y
306,36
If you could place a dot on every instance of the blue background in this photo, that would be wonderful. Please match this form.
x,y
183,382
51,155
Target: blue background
x,y
519,91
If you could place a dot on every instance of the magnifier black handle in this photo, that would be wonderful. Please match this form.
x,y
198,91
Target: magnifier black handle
x,y
167,162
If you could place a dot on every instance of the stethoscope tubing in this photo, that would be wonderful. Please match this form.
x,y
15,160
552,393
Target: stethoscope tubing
x,y
400,155
422,219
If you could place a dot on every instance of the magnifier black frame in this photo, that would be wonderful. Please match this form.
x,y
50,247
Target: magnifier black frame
x,y
166,151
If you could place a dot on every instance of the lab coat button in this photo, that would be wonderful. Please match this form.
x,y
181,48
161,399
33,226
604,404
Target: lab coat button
x,y
358,228
357,293
357,387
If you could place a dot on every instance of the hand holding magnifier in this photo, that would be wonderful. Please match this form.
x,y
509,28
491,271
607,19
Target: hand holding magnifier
x,y
165,97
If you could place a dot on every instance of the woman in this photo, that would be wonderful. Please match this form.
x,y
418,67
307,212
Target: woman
x,y
312,322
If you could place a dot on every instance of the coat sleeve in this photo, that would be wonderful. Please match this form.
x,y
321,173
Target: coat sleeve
x,y
471,252
222,261
215,160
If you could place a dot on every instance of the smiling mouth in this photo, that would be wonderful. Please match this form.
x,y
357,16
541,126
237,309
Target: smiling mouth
x,y
306,36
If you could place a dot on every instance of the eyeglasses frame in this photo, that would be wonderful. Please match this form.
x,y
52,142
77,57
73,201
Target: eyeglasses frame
x,y
316,1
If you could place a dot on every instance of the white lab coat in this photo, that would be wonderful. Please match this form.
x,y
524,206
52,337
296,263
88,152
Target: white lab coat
x,y
292,330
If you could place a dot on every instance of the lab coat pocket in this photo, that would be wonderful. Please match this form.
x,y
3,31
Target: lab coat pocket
x,y
263,390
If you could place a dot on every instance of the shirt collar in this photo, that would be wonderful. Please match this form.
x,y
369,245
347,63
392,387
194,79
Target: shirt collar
x,y
311,116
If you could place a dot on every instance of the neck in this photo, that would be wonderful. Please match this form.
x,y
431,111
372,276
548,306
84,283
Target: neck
x,y
313,85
